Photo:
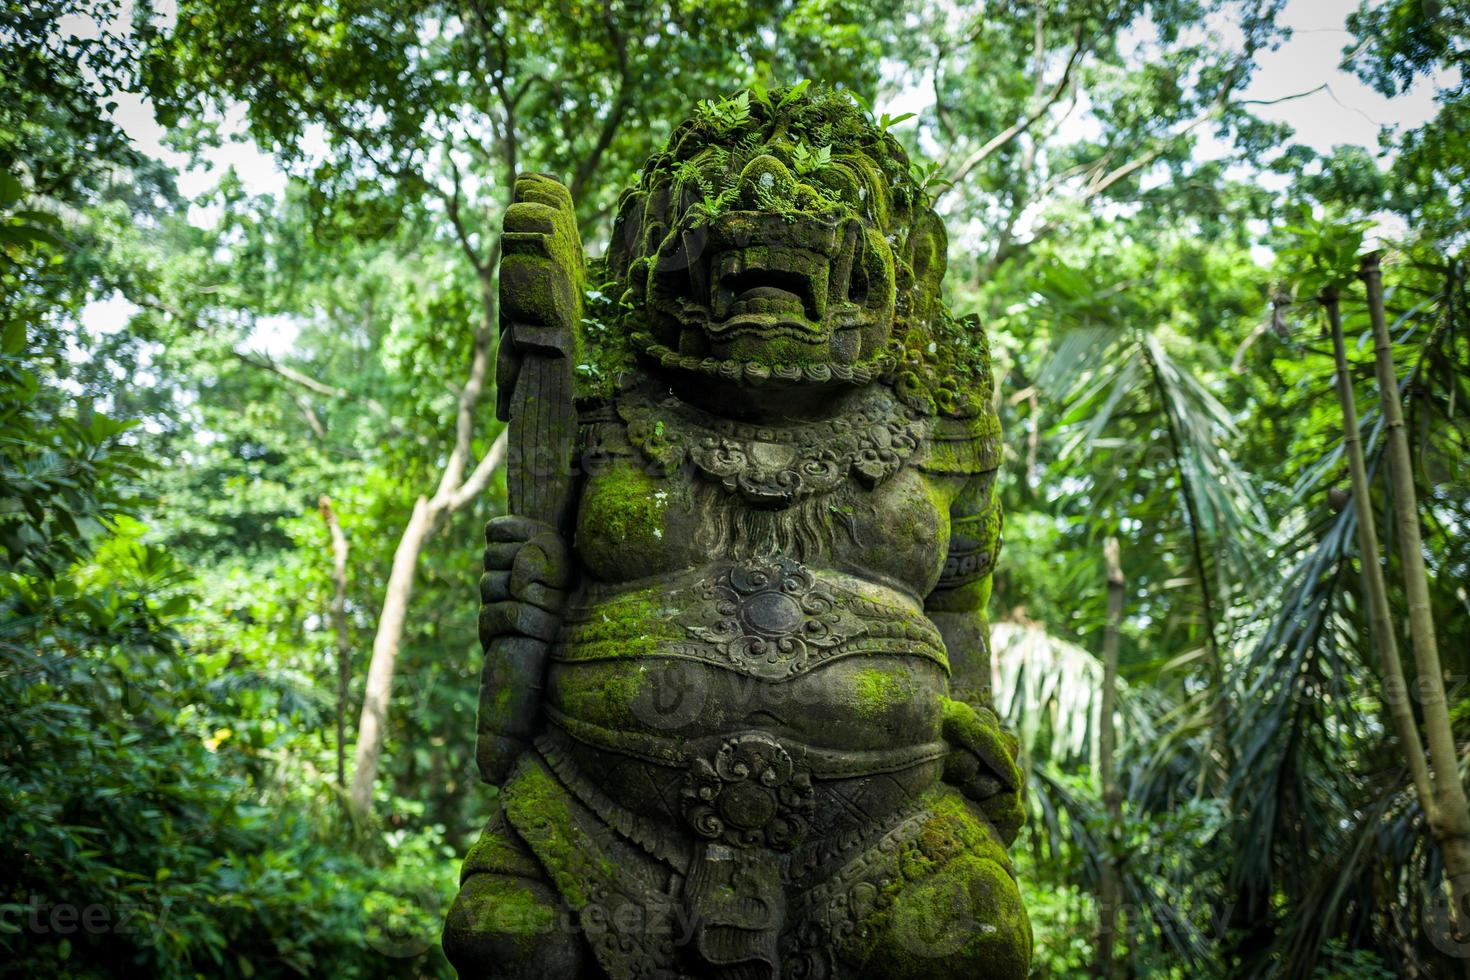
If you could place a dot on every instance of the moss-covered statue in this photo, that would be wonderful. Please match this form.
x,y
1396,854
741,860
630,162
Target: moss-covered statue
x,y
736,681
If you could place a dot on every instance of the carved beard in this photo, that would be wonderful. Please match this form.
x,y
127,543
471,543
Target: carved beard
x,y
731,528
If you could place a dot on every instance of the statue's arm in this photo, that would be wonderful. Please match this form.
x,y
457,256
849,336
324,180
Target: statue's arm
x,y
982,761
528,564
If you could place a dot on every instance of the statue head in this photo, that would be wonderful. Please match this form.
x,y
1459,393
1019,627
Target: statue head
x,y
778,237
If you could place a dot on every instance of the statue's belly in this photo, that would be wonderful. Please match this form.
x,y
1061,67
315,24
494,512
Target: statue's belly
x,y
843,679
866,703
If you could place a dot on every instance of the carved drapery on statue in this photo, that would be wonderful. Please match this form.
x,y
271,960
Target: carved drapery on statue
x,y
736,684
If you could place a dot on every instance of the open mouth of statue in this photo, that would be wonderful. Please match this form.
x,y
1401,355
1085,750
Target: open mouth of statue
x,y
764,288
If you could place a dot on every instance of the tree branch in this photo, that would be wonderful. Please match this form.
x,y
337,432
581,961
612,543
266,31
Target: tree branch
x,y
266,363
1102,179
614,118
1005,136
473,388
312,419
452,208
479,477
339,627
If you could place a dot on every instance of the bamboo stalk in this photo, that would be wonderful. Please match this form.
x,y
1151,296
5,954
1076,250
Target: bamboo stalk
x,y
1450,818
1110,890
1380,620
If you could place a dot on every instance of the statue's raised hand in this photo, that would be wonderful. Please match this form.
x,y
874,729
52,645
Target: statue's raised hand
x,y
527,563
982,765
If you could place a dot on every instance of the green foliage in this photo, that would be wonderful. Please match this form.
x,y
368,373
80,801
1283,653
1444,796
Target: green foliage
x,y
167,664
58,472
143,823
722,116
61,59
1321,253
809,161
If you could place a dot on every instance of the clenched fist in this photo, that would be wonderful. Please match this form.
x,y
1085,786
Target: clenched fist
x,y
523,589
982,765
527,570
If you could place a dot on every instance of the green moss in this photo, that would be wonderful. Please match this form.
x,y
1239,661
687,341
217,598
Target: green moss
x,y
540,809
819,153
766,184
623,506
500,704
504,905
878,690
950,903
603,697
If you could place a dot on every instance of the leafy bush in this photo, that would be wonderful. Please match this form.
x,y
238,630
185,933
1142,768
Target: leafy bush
x,y
139,834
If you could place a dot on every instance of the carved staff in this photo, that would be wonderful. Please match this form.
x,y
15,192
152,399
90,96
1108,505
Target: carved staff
x,y
527,567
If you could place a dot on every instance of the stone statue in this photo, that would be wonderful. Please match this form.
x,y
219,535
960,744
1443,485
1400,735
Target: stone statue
x,y
736,682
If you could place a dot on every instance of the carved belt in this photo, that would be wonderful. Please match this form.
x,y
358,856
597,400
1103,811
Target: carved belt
x,y
770,618
750,788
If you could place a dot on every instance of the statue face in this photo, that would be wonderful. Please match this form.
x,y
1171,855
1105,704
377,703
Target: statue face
x,y
787,242
794,271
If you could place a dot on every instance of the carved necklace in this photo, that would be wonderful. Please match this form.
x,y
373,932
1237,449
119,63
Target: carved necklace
x,y
777,465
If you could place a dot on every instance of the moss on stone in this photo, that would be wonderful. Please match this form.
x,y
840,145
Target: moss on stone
x,y
601,692
766,184
540,809
716,163
878,690
951,901
506,905
622,509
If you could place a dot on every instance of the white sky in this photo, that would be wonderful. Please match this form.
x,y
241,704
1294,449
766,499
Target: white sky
x,y
1350,112
1347,112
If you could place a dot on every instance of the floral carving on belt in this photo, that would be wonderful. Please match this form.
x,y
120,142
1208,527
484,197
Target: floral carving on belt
x,y
749,794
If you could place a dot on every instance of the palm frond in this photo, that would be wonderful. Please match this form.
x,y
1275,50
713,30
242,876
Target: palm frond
x,y
1050,692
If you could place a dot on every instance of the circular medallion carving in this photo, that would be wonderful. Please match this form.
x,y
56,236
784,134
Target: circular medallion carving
x,y
771,612
750,793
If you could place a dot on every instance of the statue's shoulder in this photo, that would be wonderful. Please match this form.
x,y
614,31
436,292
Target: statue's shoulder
x,y
944,374
962,446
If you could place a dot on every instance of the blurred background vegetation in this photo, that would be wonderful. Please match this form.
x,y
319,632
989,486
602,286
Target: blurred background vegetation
x,y
224,412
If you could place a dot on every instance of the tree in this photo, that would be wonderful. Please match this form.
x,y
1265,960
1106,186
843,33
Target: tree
x,y
431,111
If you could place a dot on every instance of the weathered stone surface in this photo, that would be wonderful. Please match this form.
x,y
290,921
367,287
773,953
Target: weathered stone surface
x,y
735,691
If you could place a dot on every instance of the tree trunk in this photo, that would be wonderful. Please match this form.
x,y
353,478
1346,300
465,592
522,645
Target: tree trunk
x,y
1110,890
1450,818
374,723
339,627
454,490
